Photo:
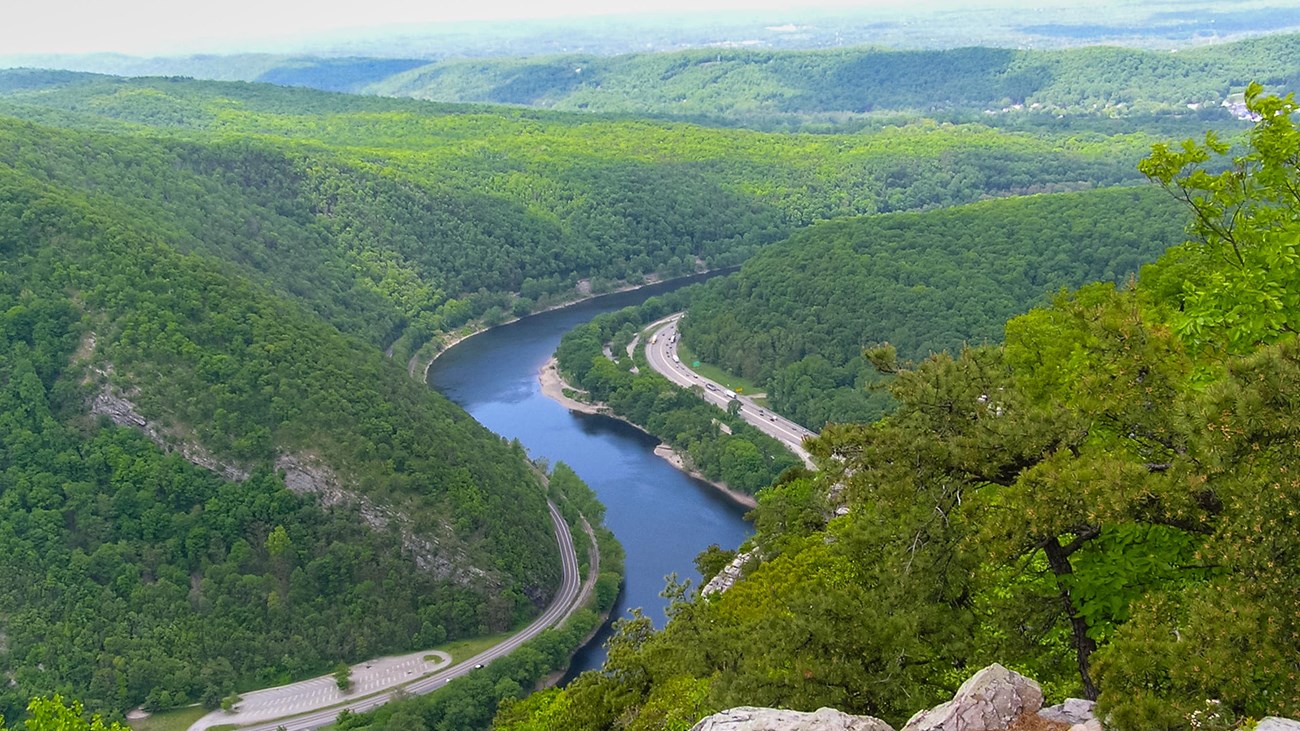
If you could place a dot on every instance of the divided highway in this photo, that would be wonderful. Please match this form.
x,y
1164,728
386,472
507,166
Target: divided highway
x,y
565,602
661,352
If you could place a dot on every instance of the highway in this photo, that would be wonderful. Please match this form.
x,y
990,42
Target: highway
x,y
566,600
661,352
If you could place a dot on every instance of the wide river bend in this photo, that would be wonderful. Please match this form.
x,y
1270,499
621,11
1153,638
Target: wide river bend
x,y
662,517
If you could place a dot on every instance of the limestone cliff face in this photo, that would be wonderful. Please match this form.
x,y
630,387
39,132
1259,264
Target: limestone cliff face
x,y
304,474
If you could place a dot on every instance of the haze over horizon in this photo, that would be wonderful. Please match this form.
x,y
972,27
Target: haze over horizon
x,y
240,40
152,27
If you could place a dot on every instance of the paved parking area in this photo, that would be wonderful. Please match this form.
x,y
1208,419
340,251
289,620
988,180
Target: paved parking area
x,y
367,677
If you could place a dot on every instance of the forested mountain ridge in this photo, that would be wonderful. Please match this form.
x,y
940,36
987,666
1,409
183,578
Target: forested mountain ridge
x,y
223,265
757,71
231,259
425,216
790,88
133,576
798,314
1105,502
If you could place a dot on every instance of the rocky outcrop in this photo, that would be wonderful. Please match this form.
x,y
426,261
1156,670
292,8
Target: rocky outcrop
x,y
771,719
1273,723
307,475
1074,712
994,699
118,407
122,411
990,699
728,575
304,475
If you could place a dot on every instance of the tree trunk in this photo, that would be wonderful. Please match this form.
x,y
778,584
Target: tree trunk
x,y
1059,561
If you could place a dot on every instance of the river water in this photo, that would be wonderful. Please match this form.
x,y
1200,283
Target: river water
x,y
662,517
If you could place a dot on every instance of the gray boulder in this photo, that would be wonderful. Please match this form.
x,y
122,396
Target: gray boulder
x,y
990,699
1273,723
747,718
1073,711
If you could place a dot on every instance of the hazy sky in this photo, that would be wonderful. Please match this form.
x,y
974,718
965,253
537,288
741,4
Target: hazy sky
x,y
178,26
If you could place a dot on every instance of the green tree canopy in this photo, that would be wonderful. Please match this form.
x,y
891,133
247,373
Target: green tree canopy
x,y
54,714
1107,502
1239,272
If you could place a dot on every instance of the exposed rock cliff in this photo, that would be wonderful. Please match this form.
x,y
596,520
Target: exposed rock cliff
x,y
302,474
728,575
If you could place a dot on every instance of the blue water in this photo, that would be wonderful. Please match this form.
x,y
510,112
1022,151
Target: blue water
x,y
662,517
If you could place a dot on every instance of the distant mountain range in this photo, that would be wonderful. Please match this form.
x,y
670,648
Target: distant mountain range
x,y
348,60
809,90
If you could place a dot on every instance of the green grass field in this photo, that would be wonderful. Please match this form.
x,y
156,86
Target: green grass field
x,y
178,719
465,649
714,373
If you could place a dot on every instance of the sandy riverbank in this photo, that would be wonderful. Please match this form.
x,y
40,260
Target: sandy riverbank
x,y
677,460
553,386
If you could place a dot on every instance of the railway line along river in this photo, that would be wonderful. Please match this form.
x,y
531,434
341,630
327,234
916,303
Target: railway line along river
x,y
662,516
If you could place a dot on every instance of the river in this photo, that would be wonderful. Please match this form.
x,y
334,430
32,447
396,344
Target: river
x,y
662,517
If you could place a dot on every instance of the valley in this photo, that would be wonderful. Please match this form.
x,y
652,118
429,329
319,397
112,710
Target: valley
x,y
945,356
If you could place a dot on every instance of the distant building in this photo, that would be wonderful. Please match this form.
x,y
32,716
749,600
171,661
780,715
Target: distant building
x,y
1236,105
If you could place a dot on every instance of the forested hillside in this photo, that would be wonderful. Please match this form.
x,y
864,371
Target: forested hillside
x,y
221,265
132,576
422,217
220,268
1106,503
792,88
797,316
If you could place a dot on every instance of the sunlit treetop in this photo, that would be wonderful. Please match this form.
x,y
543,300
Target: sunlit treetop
x,y
53,714
1236,276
